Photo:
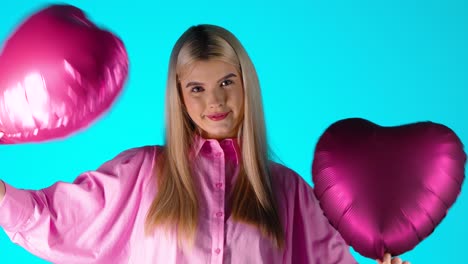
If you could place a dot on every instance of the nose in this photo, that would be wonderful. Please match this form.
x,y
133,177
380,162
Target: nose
x,y
216,98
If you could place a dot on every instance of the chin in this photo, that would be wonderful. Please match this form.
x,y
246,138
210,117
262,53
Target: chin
x,y
220,135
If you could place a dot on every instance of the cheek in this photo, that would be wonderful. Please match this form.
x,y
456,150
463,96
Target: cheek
x,y
239,99
193,106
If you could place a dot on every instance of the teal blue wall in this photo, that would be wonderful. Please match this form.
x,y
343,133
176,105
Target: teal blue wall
x,y
391,62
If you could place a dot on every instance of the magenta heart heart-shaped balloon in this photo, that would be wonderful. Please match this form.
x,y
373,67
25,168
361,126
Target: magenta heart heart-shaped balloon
x,y
58,73
385,189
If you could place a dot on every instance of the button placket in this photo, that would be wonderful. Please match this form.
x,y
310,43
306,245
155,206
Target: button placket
x,y
218,207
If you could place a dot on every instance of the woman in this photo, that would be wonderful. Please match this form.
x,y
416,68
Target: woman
x,y
210,195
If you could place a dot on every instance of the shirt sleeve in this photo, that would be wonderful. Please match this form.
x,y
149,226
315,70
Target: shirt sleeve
x,y
86,221
314,238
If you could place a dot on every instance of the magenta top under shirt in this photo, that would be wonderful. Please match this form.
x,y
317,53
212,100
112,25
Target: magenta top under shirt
x,y
100,217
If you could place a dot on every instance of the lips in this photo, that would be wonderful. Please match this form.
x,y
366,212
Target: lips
x,y
218,116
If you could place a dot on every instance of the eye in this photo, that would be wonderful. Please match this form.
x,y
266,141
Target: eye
x,y
196,89
226,82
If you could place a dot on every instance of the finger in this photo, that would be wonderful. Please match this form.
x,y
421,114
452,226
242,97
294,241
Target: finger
x,y
396,260
387,258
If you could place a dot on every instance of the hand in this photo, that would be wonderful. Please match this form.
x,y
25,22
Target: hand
x,y
387,259
2,190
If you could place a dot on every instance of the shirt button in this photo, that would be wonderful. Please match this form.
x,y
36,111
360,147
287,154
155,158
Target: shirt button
x,y
219,214
219,185
217,251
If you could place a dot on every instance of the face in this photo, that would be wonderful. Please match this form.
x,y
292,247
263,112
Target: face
x,y
213,95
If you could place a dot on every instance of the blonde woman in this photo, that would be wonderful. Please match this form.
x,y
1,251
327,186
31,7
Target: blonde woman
x,y
210,195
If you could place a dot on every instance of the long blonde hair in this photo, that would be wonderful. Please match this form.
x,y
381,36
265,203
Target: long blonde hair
x,y
176,203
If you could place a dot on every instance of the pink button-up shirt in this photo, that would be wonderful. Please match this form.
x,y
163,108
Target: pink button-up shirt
x,y
99,218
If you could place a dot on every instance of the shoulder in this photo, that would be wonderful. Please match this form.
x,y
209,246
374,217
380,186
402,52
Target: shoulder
x,y
288,180
285,174
146,151
134,157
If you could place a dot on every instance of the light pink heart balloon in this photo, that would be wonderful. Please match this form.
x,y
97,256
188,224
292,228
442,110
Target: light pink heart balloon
x,y
385,189
58,73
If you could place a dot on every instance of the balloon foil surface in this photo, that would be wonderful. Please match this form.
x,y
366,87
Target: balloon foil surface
x,y
58,73
385,189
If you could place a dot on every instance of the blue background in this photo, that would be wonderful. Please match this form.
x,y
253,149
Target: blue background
x,y
391,62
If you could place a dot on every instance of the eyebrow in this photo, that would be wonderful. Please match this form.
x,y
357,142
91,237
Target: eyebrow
x,y
199,83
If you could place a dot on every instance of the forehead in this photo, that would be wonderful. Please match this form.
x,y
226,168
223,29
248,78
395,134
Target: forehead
x,y
206,71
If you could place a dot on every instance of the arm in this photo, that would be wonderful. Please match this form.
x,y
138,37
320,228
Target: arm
x,y
313,233
87,221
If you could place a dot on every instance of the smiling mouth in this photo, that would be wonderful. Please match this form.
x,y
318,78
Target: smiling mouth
x,y
217,117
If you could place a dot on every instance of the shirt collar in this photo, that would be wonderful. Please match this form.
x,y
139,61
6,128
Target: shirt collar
x,y
228,145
